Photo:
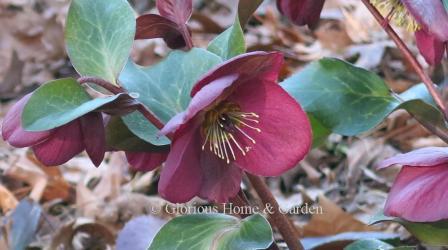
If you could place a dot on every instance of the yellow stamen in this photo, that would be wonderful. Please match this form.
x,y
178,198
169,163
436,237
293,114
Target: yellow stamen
x,y
220,127
397,12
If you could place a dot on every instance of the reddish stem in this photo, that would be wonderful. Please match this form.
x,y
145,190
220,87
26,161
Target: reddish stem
x,y
102,83
279,219
409,57
153,119
187,37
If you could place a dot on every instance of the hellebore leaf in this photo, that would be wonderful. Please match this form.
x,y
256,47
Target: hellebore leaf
x,y
320,132
99,36
348,100
433,233
230,43
214,231
164,88
59,102
343,239
119,137
369,244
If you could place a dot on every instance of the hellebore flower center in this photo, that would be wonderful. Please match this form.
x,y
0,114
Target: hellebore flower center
x,y
396,11
221,127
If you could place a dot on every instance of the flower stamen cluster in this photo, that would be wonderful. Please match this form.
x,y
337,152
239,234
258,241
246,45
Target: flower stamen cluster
x,y
220,125
397,12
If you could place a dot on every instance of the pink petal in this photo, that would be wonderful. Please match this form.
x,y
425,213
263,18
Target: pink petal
x,y
430,47
146,161
262,65
419,194
301,12
221,180
204,98
285,136
431,14
64,144
423,157
181,177
94,136
12,130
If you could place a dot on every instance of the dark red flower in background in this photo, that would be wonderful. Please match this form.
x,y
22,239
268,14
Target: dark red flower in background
x,y
59,145
301,12
419,193
238,119
169,25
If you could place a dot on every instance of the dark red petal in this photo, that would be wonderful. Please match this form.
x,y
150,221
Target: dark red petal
x,y
154,26
262,65
419,194
430,47
181,177
146,161
204,98
424,157
221,180
12,130
178,11
431,14
94,136
285,136
301,12
64,144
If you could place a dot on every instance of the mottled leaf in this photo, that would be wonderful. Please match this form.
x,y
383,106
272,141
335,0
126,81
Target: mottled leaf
x,y
99,36
59,102
349,100
164,88
230,43
433,234
214,231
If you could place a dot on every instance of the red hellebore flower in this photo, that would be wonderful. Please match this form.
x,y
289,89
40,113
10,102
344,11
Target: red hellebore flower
x,y
419,193
57,146
429,20
301,12
239,119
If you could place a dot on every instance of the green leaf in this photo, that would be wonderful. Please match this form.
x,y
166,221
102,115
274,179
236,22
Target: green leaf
x,y
344,98
369,244
349,100
144,130
320,132
214,231
434,233
165,87
230,43
119,137
57,103
99,36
